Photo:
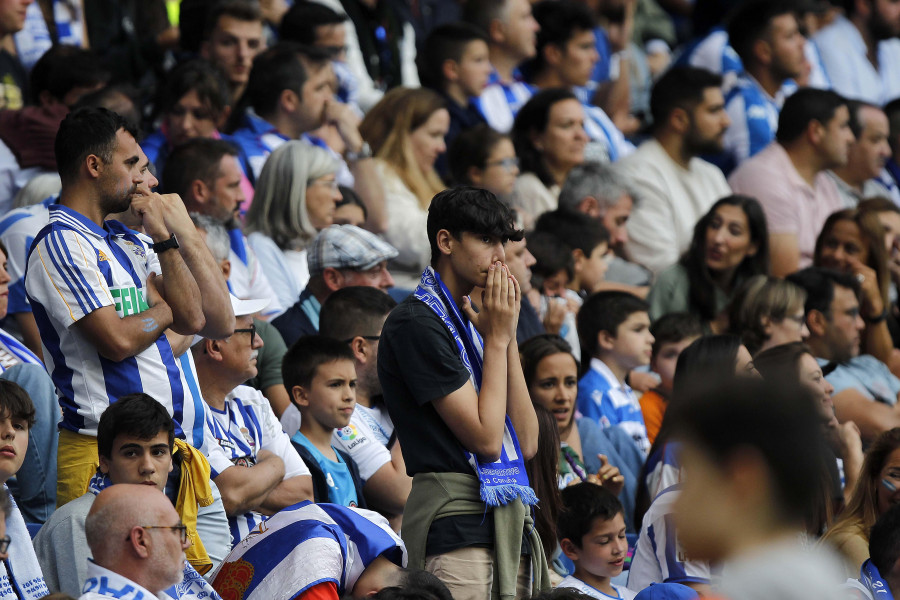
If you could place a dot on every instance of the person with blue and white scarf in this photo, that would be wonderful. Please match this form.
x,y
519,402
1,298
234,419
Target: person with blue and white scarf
x,y
454,388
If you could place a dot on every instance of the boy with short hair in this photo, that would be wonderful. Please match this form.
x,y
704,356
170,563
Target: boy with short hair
x,y
591,531
589,243
614,329
454,387
455,62
320,375
672,333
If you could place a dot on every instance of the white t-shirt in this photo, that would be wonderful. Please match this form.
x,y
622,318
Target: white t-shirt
x,y
572,582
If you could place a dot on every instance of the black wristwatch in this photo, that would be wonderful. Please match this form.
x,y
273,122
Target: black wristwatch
x,y
160,247
876,319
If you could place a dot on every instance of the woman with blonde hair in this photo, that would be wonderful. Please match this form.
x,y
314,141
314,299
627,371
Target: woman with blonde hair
x,y
875,491
406,132
296,196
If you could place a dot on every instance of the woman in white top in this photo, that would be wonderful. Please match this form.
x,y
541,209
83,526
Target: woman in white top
x,y
549,140
406,131
296,196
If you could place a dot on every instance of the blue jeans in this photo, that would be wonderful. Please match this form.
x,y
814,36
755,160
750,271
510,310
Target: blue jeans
x,y
34,487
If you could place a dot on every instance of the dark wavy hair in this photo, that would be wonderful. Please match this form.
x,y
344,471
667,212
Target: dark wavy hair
x,y
531,120
702,286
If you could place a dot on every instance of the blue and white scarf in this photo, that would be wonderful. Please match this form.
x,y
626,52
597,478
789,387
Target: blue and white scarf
x,y
20,574
871,578
504,480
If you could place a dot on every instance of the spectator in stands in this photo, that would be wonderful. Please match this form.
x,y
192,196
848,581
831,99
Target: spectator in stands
x,y
232,37
592,535
788,178
340,256
614,329
35,490
387,48
207,175
406,131
879,573
455,64
511,31
350,209
792,363
136,444
588,452
675,187
588,241
852,242
858,49
103,172
520,260
550,141
314,24
146,559
321,376
14,88
768,312
672,333
295,198
865,390
270,473
861,177
267,566
601,192
356,315
565,58
20,571
730,245
872,496
485,158
57,82
766,36
446,414
743,502
193,102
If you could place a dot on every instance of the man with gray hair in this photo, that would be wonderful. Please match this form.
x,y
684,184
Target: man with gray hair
x,y
340,256
598,191
137,541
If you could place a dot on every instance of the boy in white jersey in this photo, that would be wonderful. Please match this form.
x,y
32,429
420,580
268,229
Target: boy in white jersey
x,y
591,531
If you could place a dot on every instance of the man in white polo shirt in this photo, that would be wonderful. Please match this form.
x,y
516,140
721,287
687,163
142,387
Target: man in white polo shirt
x,y
117,309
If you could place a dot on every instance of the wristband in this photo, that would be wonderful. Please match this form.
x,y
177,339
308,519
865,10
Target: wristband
x,y
877,319
160,247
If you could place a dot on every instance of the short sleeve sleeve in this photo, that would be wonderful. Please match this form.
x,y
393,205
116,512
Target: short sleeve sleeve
x,y
65,278
358,440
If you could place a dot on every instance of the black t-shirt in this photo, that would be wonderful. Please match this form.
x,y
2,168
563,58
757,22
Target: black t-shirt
x,y
418,362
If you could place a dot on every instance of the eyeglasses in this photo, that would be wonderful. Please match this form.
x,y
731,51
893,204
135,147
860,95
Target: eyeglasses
x,y
371,338
332,184
507,163
181,529
5,541
251,330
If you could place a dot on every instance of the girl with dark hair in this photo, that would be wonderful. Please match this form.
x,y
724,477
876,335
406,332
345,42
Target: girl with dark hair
x,y
730,245
587,453
483,157
549,139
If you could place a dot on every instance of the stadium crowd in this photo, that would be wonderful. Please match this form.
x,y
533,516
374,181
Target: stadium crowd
x,y
449,299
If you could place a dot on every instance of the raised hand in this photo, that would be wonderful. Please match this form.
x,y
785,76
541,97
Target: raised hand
x,y
608,476
500,303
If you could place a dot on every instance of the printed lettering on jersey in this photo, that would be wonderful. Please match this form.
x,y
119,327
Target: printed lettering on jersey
x,y
129,300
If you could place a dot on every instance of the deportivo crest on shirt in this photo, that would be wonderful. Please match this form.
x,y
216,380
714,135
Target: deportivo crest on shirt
x,y
138,250
246,433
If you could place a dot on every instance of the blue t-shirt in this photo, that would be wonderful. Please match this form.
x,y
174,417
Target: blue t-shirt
x,y
341,489
608,402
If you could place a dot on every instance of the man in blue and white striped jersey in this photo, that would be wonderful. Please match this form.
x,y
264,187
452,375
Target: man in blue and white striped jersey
x,y
117,309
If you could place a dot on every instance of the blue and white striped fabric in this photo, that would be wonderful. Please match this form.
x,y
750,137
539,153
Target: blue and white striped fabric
x,y
713,53
662,469
607,144
246,426
75,268
17,231
13,352
34,38
499,103
256,138
305,545
754,120
658,557
247,279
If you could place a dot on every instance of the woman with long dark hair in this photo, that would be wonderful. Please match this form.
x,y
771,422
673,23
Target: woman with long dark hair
x,y
730,245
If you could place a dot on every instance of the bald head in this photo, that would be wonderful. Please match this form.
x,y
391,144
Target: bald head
x,y
129,531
